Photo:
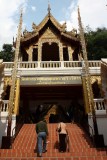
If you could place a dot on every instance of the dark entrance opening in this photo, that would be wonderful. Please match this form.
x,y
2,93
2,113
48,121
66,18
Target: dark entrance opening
x,y
50,52
50,102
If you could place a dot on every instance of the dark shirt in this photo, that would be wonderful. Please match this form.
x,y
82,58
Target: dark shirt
x,y
41,127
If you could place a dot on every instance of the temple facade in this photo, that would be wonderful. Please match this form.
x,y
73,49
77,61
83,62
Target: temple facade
x,y
48,79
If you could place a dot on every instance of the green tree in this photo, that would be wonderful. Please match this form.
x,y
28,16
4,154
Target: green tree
x,y
7,53
96,43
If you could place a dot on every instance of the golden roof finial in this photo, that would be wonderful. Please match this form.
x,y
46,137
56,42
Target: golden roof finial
x,y
49,8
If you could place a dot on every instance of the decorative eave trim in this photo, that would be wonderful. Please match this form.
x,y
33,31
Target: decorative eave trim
x,y
32,35
69,36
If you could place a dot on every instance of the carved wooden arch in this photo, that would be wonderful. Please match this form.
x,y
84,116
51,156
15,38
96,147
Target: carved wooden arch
x,y
50,41
50,50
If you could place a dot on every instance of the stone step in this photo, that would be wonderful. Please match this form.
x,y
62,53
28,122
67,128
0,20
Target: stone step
x,y
81,147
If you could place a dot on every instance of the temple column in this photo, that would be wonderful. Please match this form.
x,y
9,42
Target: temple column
x,y
29,52
20,57
39,51
70,52
61,52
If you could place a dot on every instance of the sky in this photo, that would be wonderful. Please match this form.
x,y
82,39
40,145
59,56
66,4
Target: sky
x,y
93,14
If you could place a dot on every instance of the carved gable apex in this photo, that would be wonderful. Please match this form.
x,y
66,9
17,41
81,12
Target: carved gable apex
x,y
49,34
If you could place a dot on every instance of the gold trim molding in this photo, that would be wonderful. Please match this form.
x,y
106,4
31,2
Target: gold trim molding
x,y
94,78
52,80
7,81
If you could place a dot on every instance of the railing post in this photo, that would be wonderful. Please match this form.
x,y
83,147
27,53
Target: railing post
x,y
39,64
62,64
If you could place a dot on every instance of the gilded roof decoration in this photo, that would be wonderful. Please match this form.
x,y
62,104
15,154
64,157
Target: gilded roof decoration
x,y
36,29
64,27
49,8
48,34
25,32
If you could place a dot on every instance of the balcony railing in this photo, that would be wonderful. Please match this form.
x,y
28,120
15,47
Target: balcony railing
x,y
4,106
51,64
99,105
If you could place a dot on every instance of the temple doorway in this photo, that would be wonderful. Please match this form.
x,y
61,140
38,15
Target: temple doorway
x,y
51,102
50,52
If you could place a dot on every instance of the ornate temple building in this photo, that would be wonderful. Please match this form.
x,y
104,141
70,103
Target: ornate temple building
x,y
47,80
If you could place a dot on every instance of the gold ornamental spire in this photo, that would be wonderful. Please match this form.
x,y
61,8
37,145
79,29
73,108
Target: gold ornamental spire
x,y
86,65
14,76
49,8
86,78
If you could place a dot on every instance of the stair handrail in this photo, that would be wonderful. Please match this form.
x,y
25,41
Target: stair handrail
x,y
16,129
91,134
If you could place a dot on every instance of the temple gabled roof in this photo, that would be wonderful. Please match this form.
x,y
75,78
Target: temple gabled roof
x,y
27,36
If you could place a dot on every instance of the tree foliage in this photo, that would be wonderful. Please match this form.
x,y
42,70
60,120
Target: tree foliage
x,y
7,53
96,43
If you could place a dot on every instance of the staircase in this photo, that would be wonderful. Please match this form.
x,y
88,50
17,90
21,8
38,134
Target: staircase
x,y
24,146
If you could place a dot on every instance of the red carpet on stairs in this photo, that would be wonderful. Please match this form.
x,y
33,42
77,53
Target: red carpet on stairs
x,y
80,146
